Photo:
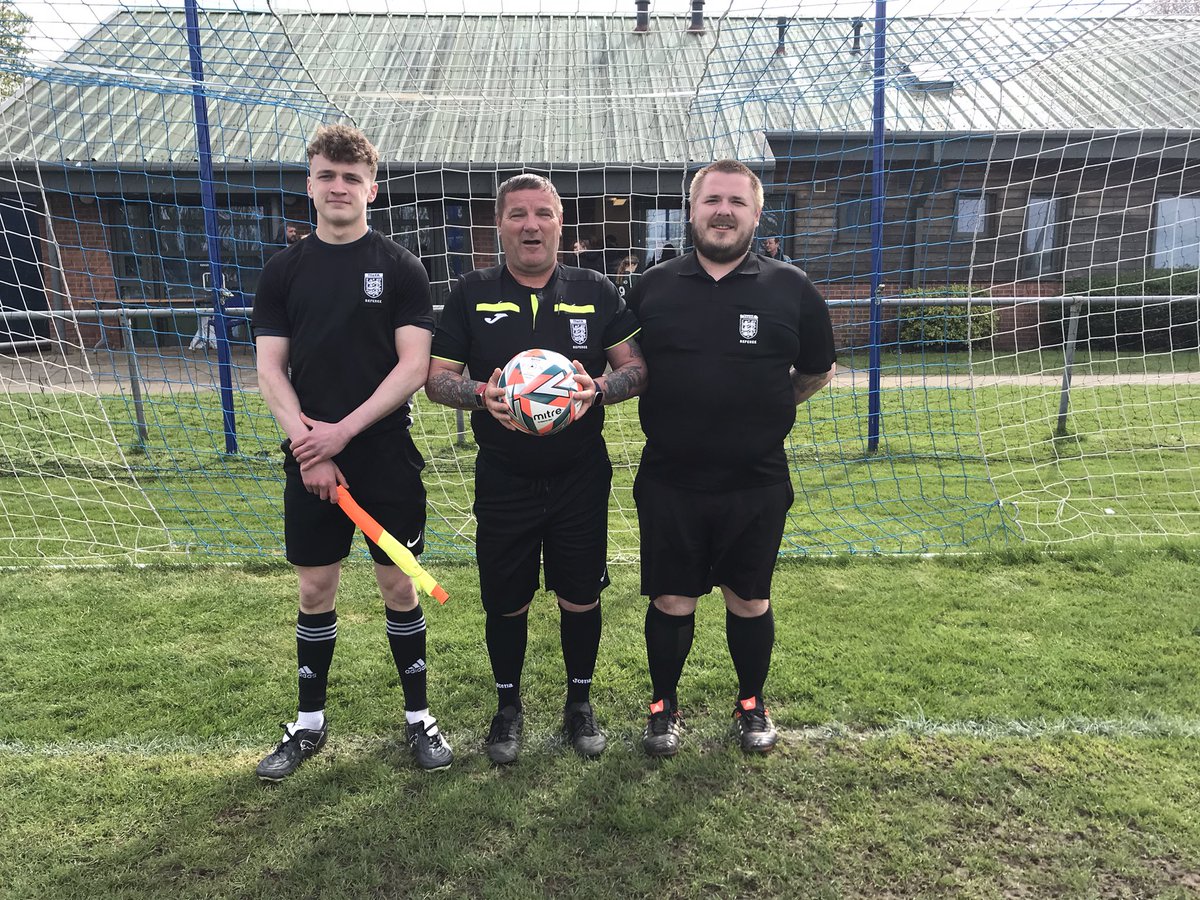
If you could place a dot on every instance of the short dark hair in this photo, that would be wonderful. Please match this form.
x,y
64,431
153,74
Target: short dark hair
x,y
344,144
728,167
527,182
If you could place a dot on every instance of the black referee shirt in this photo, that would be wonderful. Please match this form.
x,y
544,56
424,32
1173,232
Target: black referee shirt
x,y
339,305
719,401
489,318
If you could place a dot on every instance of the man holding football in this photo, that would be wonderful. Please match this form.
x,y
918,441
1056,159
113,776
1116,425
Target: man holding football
x,y
736,342
539,500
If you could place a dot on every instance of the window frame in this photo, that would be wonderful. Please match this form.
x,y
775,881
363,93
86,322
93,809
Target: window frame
x,y
1163,258
859,230
987,217
1034,263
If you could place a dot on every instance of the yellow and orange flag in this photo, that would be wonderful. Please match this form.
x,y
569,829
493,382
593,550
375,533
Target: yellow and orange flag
x,y
396,551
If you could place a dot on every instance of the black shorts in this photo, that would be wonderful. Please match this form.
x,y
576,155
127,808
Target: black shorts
x,y
693,541
561,522
383,473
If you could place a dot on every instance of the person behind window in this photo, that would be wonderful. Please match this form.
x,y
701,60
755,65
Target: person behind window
x,y
627,274
773,249
587,257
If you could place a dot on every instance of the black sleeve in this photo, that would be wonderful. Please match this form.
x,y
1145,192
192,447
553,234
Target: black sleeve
x,y
269,316
817,354
412,305
452,339
622,324
633,297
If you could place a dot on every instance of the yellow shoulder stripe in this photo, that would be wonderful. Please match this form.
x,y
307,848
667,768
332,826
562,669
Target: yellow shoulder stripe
x,y
497,307
624,339
572,308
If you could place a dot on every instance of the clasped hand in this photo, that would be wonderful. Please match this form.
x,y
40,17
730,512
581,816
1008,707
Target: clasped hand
x,y
323,440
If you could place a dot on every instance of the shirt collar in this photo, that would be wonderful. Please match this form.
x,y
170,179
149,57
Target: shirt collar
x,y
522,289
748,266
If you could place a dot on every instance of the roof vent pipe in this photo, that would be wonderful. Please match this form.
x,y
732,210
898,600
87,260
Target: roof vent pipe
x,y
857,48
697,26
783,24
643,17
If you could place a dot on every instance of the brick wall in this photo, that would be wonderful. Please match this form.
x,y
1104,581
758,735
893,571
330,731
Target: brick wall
x,y
483,233
79,231
1019,326
86,262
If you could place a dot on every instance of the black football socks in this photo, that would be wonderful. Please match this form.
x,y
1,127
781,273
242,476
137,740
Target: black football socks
x,y
750,644
506,640
668,643
406,636
316,634
580,634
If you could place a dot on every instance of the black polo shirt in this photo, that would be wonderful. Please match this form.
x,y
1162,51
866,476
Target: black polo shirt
x,y
719,401
489,318
339,305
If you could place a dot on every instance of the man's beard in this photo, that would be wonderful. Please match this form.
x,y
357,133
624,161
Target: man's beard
x,y
720,253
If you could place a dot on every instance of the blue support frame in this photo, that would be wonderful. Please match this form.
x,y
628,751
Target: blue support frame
x,y
874,412
211,230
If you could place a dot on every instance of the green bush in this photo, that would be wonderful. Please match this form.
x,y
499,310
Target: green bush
x,y
1147,328
944,328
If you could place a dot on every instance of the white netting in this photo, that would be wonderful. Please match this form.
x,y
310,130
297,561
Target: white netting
x,y
1033,171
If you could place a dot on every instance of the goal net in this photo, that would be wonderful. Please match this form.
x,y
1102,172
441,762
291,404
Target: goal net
x,y
1000,202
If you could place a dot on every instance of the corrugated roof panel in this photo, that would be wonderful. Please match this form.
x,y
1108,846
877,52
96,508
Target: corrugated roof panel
x,y
581,89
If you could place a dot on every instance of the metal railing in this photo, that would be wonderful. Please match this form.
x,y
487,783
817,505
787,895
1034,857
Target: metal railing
x,y
125,315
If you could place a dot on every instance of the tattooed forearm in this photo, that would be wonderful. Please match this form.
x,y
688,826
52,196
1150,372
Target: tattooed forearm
x,y
629,379
805,386
451,389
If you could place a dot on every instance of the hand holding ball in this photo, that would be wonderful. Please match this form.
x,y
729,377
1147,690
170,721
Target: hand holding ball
x,y
538,385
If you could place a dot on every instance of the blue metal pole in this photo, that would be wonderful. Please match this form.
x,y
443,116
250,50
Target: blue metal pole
x,y
211,229
874,414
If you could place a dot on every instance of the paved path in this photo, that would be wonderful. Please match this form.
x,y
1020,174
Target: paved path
x,y
107,372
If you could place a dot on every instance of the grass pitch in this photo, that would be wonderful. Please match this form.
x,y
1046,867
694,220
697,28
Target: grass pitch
x,y
955,469
1010,725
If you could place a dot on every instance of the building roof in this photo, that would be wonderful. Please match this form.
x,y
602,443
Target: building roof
x,y
578,90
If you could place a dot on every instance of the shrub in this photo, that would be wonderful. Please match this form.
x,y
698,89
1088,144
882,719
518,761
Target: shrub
x,y
944,328
1149,327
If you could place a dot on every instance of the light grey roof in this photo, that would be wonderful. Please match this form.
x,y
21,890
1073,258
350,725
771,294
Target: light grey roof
x,y
583,90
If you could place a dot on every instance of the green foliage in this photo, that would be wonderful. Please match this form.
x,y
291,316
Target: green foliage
x,y
1152,327
944,328
14,29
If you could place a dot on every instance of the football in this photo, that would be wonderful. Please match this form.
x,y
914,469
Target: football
x,y
538,385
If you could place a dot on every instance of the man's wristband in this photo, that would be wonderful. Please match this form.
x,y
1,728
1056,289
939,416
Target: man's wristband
x,y
480,402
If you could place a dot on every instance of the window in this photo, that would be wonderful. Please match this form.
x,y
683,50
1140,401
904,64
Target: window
x,y
658,221
854,219
1177,233
162,249
971,215
1040,240
776,221
458,238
